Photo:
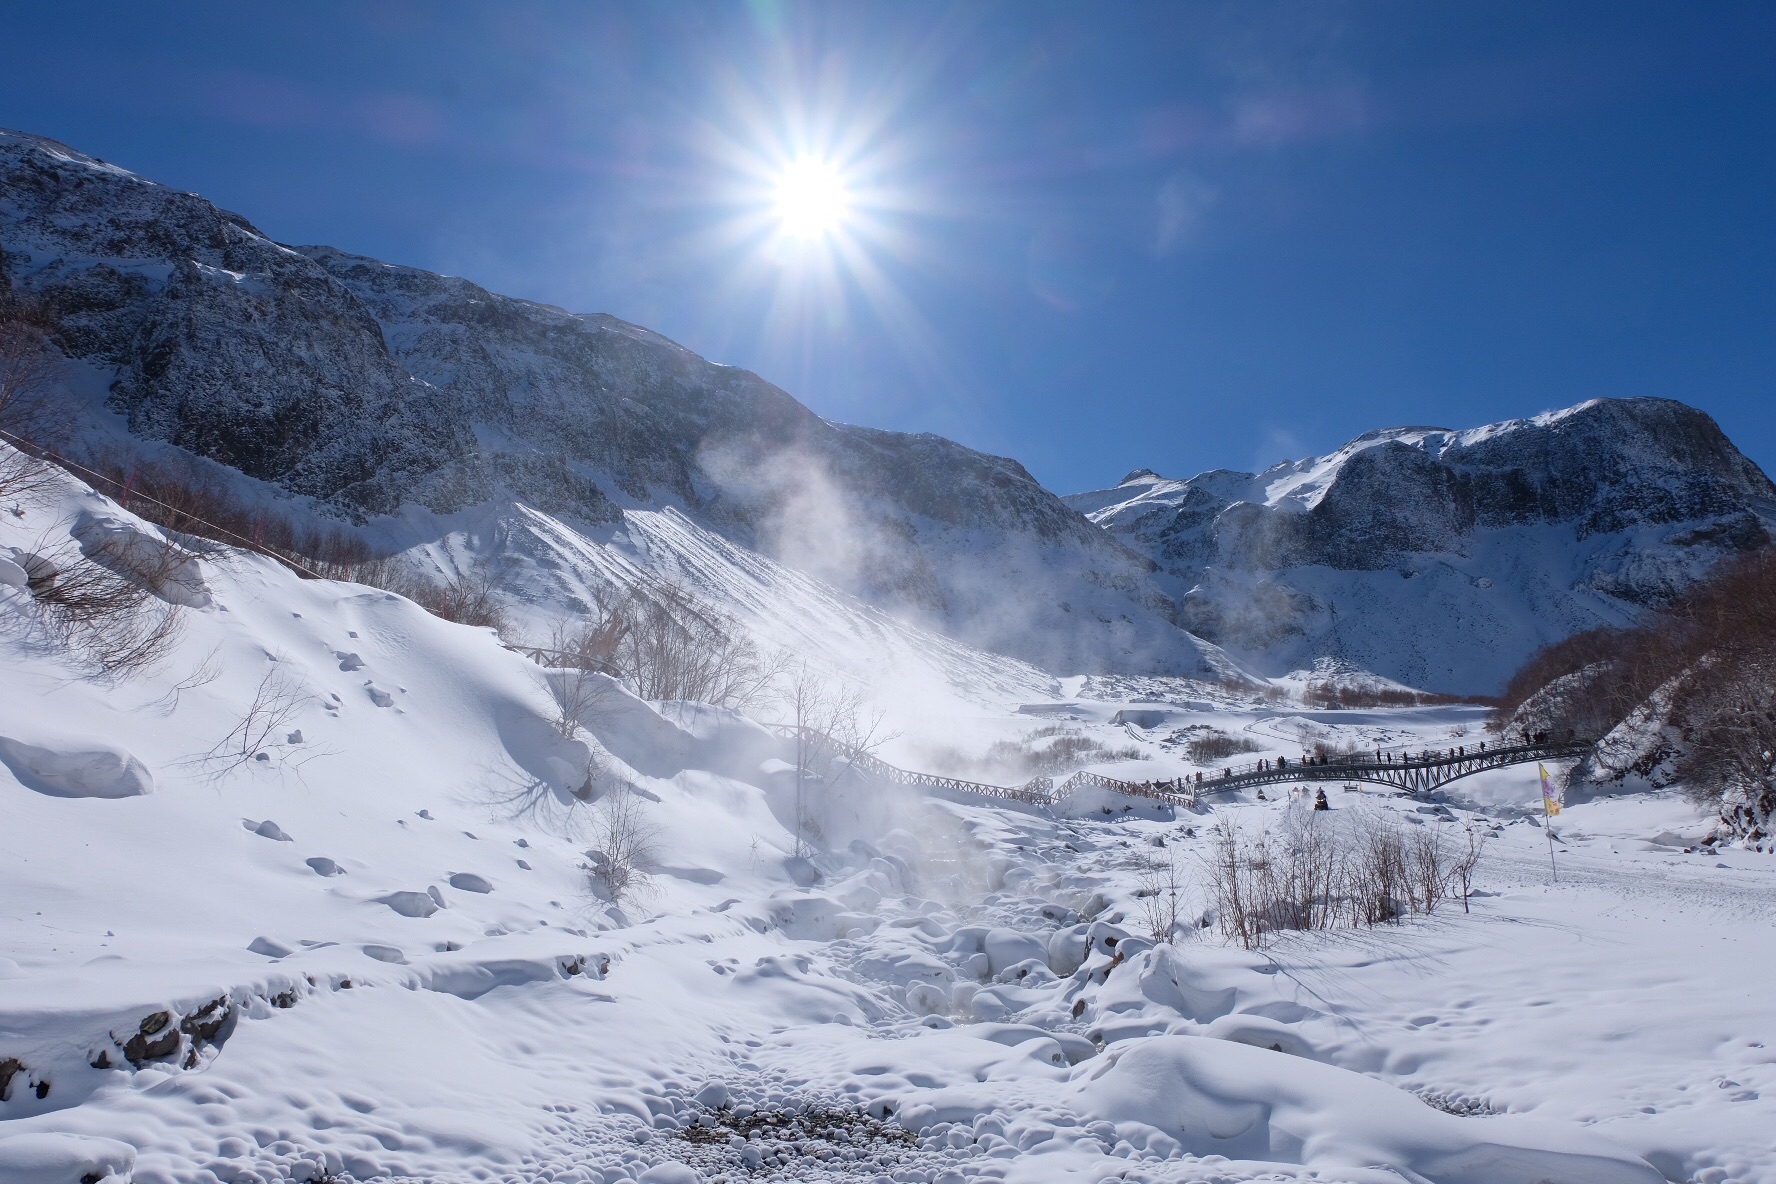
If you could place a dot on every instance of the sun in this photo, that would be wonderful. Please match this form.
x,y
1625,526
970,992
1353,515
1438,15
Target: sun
x,y
810,199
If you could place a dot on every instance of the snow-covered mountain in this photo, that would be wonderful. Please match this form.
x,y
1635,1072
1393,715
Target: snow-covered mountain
x,y
1442,558
374,389
576,448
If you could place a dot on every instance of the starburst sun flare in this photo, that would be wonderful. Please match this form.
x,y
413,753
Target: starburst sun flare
x,y
810,198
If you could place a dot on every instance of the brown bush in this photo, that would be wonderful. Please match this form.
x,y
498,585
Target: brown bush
x,y
1345,698
1212,745
1710,657
189,498
1320,872
105,613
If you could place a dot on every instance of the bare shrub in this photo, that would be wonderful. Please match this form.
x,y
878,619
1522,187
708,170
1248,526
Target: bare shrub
x,y
107,619
469,595
625,844
675,646
1344,698
578,655
203,674
276,702
22,475
1727,712
1203,744
1313,873
1162,890
193,499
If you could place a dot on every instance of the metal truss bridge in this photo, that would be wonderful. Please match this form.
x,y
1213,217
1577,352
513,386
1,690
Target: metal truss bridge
x,y
1412,772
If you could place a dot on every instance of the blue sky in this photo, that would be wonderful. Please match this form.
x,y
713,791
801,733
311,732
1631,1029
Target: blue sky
x,y
1093,237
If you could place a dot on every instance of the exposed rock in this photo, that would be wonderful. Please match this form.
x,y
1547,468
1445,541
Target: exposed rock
x,y
156,1040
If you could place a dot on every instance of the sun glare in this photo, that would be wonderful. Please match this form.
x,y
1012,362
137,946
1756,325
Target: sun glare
x,y
810,199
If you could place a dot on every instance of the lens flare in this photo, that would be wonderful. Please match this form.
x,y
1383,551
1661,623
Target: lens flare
x,y
810,199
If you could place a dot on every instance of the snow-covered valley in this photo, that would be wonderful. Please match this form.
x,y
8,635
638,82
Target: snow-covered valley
x,y
316,895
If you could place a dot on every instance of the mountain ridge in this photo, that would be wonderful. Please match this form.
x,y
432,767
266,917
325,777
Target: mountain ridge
x,y
370,387
1584,515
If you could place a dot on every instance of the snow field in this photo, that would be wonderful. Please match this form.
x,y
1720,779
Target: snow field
x,y
420,981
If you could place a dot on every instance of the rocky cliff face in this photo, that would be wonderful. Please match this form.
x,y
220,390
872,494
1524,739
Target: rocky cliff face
x,y
369,387
1441,557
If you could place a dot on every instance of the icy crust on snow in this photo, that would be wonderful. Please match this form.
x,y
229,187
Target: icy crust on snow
x,y
1519,533
370,387
377,954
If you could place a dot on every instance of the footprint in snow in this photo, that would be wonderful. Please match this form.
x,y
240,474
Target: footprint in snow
x,y
348,661
470,882
267,829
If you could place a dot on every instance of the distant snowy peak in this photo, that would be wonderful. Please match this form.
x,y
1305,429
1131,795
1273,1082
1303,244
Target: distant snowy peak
x,y
1529,529
1606,464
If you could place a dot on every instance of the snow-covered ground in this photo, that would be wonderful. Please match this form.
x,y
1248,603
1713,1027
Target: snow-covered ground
x,y
378,953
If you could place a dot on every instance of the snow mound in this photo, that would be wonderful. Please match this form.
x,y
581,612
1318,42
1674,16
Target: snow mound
x,y
1217,1097
63,1159
76,771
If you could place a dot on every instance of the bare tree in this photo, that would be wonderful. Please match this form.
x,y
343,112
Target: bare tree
x,y
1427,867
578,653
1467,860
1162,892
833,725
625,844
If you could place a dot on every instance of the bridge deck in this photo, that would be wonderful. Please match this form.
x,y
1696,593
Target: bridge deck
x,y
1407,771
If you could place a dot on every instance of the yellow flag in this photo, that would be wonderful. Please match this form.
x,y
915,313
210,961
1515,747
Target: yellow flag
x,y
1551,797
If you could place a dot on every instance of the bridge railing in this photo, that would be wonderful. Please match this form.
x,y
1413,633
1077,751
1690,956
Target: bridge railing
x,y
1039,791
1397,757
1414,771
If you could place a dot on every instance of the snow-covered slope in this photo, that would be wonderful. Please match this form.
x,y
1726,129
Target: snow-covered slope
x,y
1442,558
376,952
370,388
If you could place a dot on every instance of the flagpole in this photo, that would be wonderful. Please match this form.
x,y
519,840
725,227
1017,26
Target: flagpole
x,y
1549,827
1549,808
